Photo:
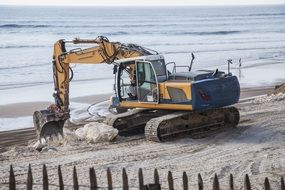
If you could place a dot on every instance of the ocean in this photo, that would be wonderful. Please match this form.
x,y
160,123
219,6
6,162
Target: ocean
x,y
256,34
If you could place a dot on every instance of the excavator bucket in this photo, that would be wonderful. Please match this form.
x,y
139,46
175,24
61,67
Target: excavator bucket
x,y
47,124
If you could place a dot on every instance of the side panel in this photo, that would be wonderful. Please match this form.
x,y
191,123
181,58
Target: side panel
x,y
168,91
214,93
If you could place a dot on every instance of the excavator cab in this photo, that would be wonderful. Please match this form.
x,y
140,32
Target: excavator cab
x,y
138,80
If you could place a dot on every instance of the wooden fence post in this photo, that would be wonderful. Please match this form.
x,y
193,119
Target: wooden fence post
x,y
185,181
45,178
156,176
93,179
94,185
247,185
60,179
125,180
200,182
170,181
75,179
12,182
216,185
30,178
140,174
109,179
266,184
231,182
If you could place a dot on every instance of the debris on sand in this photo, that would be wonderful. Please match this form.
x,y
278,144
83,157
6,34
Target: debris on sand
x,y
97,132
278,94
269,98
279,89
92,132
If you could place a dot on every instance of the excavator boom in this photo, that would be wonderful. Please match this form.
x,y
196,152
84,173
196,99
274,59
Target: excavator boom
x,y
50,122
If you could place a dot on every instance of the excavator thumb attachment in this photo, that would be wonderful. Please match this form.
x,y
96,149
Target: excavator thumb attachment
x,y
47,124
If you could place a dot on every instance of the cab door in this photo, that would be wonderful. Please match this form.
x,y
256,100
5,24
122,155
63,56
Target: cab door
x,y
147,84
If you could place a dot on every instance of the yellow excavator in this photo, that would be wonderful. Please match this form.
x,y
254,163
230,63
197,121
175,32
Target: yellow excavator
x,y
173,102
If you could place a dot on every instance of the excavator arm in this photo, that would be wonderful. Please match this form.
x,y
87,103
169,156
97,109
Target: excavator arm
x,y
50,122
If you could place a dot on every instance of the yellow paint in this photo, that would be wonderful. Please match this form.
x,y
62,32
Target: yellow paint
x,y
128,104
185,86
104,51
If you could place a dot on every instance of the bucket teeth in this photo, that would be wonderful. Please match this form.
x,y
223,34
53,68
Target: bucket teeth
x,y
48,126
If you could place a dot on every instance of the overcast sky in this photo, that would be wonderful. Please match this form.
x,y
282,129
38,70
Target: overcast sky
x,y
139,2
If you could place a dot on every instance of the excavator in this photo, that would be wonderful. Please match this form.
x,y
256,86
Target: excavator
x,y
147,96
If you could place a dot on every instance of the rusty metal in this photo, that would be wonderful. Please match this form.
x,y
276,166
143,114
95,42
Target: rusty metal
x,y
49,123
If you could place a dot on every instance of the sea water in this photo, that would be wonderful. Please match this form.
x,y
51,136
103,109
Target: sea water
x,y
254,34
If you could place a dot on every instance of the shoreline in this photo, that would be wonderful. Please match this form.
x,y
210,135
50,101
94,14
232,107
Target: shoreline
x,y
24,109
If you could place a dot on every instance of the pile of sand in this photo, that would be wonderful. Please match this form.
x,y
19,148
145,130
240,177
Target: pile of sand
x,y
278,94
269,98
96,132
279,89
93,132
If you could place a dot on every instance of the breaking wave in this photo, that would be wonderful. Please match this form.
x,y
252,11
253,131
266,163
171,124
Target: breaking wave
x,y
24,26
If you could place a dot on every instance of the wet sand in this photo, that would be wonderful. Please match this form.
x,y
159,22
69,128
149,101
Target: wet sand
x,y
255,147
28,108
22,136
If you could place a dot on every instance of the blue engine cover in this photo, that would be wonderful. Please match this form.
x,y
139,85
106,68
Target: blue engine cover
x,y
214,93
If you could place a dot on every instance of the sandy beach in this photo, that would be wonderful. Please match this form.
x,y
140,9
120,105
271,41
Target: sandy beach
x,y
28,108
241,40
255,147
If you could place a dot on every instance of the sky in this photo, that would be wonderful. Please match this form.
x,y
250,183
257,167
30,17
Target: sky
x,y
139,2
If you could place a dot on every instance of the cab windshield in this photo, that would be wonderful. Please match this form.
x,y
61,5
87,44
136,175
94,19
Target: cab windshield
x,y
159,67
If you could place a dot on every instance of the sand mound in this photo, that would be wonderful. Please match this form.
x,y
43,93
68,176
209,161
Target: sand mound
x,y
96,132
91,133
278,94
269,98
279,89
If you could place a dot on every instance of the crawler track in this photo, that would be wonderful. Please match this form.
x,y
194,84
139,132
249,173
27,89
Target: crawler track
x,y
177,123
134,121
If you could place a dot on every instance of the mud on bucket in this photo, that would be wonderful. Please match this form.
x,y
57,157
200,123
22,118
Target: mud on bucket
x,y
47,124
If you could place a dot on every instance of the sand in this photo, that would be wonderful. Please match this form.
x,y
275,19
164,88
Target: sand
x,y
255,147
28,108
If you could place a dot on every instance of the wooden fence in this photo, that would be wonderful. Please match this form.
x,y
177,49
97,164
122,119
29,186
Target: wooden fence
x,y
94,185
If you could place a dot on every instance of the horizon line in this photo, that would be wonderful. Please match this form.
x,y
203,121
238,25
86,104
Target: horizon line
x,y
194,5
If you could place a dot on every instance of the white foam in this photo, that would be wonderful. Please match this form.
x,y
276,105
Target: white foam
x,y
7,124
44,92
78,114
